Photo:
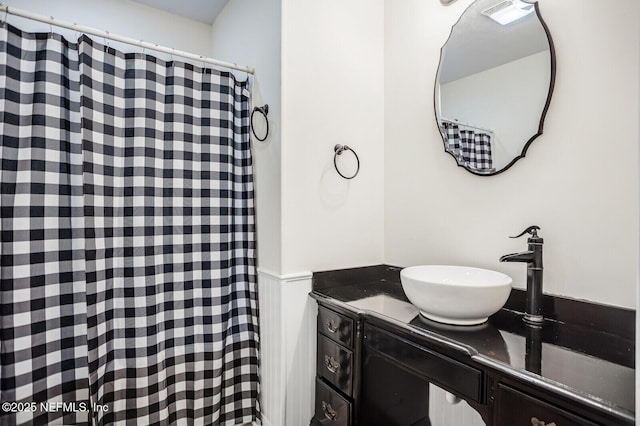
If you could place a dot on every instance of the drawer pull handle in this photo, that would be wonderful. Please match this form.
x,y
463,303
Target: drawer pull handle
x,y
329,412
331,326
536,422
331,363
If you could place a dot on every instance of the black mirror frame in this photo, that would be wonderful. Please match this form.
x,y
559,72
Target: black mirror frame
x,y
552,82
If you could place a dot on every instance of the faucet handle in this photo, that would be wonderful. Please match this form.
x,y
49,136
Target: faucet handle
x,y
532,230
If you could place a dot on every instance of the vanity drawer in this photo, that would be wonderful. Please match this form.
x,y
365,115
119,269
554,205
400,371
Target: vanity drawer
x,y
335,326
452,375
334,363
331,408
518,408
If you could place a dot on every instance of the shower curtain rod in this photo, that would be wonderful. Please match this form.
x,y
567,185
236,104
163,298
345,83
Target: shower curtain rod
x,y
466,125
128,40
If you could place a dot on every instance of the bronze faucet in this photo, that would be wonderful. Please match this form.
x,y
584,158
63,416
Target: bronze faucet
x,y
533,258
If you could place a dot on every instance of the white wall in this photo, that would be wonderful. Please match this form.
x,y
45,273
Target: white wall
x,y
579,181
333,78
331,65
487,98
248,32
121,17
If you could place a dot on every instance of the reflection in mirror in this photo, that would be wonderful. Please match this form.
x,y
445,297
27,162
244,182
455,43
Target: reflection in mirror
x,y
494,84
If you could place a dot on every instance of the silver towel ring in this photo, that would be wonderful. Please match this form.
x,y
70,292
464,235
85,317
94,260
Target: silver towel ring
x,y
338,150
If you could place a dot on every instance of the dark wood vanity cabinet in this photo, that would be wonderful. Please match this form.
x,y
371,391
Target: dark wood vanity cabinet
x,y
335,376
371,374
377,357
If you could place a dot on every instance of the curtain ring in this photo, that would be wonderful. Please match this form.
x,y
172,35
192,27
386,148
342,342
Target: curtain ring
x,y
106,42
339,149
264,110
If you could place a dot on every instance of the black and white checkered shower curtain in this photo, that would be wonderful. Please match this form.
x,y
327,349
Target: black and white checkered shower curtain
x,y
471,149
127,289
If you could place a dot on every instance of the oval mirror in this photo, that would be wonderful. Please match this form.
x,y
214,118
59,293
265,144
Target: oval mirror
x,y
494,84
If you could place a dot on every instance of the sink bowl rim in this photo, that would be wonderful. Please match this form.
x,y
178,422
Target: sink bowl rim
x,y
434,290
489,277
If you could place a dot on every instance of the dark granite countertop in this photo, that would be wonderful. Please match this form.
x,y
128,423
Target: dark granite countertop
x,y
587,362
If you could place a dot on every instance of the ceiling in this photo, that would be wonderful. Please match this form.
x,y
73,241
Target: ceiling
x,y
199,10
477,43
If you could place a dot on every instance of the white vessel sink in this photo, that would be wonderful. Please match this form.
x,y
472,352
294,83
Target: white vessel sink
x,y
459,295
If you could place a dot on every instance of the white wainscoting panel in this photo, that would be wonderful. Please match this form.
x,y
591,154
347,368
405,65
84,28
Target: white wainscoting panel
x,y
442,413
288,348
299,316
271,374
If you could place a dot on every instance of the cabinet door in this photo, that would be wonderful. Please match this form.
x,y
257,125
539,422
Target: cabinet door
x,y
516,408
